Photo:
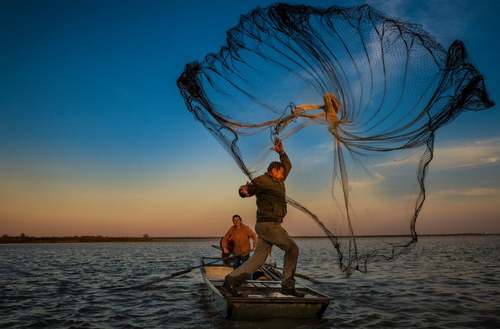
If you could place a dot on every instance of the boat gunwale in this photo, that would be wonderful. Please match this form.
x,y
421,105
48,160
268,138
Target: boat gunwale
x,y
321,298
209,282
229,302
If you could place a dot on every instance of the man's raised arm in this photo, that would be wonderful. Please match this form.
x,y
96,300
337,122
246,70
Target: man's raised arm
x,y
285,161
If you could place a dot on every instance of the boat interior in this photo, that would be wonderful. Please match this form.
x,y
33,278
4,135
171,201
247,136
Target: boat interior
x,y
266,282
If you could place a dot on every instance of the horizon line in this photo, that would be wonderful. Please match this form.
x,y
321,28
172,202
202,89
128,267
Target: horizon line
x,y
145,237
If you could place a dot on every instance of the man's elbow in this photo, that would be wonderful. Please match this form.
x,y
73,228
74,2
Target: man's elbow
x,y
244,194
243,191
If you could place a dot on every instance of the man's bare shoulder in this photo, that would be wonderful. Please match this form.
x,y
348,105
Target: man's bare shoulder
x,y
247,228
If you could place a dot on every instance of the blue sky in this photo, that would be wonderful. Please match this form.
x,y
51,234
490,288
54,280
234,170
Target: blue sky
x,y
88,102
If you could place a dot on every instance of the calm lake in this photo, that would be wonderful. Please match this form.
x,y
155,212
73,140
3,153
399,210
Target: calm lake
x,y
444,282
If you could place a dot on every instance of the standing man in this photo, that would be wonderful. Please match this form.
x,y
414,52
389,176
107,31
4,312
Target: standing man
x,y
237,241
269,190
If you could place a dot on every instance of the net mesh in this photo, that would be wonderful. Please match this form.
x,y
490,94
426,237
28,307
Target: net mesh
x,y
362,90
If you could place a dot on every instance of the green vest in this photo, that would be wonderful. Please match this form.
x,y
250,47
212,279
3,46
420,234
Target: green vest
x,y
271,199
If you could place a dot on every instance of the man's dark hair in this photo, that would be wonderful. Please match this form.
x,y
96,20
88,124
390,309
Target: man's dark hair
x,y
236,216
274,165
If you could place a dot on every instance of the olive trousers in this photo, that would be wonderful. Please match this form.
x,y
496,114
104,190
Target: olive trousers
x,y
269,234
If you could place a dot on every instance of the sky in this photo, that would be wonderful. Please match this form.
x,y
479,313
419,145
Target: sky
x,y
95,138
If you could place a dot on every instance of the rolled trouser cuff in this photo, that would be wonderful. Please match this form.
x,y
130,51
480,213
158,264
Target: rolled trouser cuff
x,y
288,283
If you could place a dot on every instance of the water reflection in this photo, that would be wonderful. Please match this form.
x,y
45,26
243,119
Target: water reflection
x,y
444,283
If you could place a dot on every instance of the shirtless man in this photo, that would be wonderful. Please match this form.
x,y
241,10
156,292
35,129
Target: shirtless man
x,y
236,241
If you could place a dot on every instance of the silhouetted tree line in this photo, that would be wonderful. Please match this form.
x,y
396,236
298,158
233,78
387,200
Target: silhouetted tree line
x,y
23,238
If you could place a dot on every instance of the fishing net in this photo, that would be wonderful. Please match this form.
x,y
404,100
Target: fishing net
x,y
357,98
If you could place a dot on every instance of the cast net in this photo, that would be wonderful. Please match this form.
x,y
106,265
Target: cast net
x,y
357,98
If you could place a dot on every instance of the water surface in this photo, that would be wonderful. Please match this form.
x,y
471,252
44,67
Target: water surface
x,y
444,282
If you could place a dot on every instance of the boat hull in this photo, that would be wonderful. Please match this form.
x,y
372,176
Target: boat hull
x,y
252,310
261,299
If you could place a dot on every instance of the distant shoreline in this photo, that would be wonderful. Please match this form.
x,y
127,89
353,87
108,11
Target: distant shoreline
x,y
86,239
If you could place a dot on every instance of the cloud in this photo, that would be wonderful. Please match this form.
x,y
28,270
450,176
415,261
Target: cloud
x,y
453,155
457,155
377,178
468,155
470,192
316,155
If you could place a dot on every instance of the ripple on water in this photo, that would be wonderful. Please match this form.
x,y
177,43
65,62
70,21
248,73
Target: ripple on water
x,y
448,282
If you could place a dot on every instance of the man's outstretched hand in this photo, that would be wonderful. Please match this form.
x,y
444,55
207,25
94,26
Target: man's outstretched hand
x,y
244,190
278,146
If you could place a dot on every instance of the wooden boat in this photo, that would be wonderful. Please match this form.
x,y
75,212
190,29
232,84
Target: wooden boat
x,y
261,298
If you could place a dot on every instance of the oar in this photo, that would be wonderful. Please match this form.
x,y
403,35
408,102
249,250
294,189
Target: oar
x,y
302,276
173,275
